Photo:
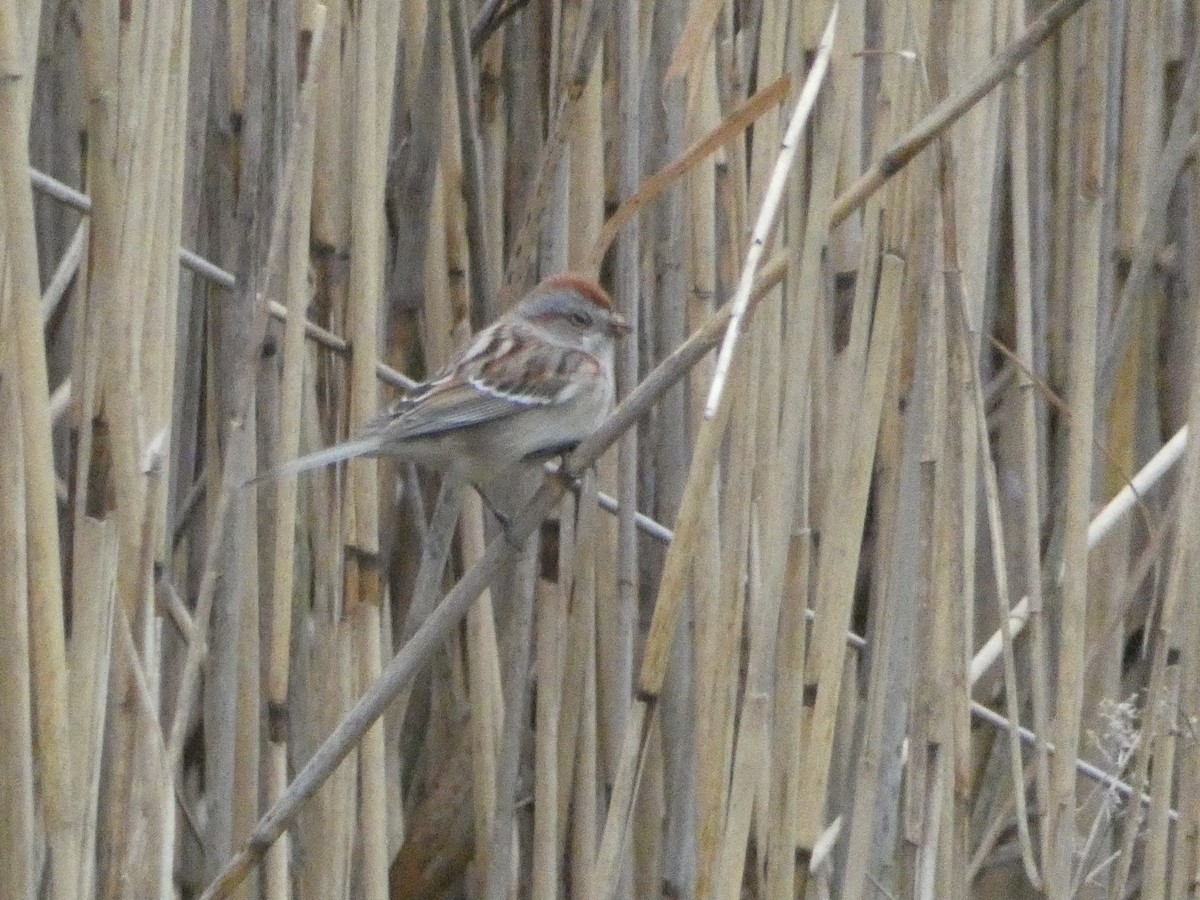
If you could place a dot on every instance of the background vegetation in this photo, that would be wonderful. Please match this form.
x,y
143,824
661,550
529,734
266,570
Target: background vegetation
x,y
870,633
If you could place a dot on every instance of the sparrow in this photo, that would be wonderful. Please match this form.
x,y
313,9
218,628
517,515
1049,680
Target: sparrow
x,y
533,384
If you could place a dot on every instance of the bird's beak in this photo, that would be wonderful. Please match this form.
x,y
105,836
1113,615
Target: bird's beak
x,y
618,326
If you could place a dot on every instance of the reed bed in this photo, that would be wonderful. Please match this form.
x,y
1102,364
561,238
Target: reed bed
x,y
879,582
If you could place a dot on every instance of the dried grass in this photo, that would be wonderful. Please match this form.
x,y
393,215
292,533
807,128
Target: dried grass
x,y
786,661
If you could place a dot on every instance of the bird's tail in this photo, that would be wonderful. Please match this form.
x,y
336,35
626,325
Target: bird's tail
x,y
364,446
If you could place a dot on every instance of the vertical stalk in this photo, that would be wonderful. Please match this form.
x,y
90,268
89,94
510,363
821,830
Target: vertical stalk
x,y
46,635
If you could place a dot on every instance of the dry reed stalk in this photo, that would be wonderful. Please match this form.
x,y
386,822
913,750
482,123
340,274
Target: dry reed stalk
x,y
947,848
999,567
576,764
706,576
229,703
888,656
64,273
840,549
962,307
752,451
487,701
372,39
45,593
948,111
702,147
491,126
481,271
245,717
304,118
583,53
91,660
771,198
670,769
693,42
593,538
930,365
611,592
930,815
1143,115
147,280
550,618
283,599
324,684
958,799
712,604
1167,167
587,780
738,511
17,797
1184,858
1170,645
1081,396
1154,863
657,649
503,872
711,195
448,322
1030,450
1115,432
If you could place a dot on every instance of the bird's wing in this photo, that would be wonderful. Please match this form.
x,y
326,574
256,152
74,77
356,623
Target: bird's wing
x,y
487,392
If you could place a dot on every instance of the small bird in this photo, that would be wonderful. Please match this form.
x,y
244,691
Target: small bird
x,y
533,384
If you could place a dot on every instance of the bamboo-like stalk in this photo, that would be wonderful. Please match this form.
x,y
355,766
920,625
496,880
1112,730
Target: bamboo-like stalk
x,y
91,660
771,198
709,576
1101,525
303,122
835,576
366,277
291,393
1183,860
550,631
662,629
529,161
17,838
229,704
583,53
887,660
615,620
1157,745
960,308
1061,824
576,764
950,109
502,872
46,635
1174,154
1154,871
584,834
758,105
705,596
1030,526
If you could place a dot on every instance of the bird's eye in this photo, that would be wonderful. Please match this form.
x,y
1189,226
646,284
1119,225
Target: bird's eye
x,y
582,320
